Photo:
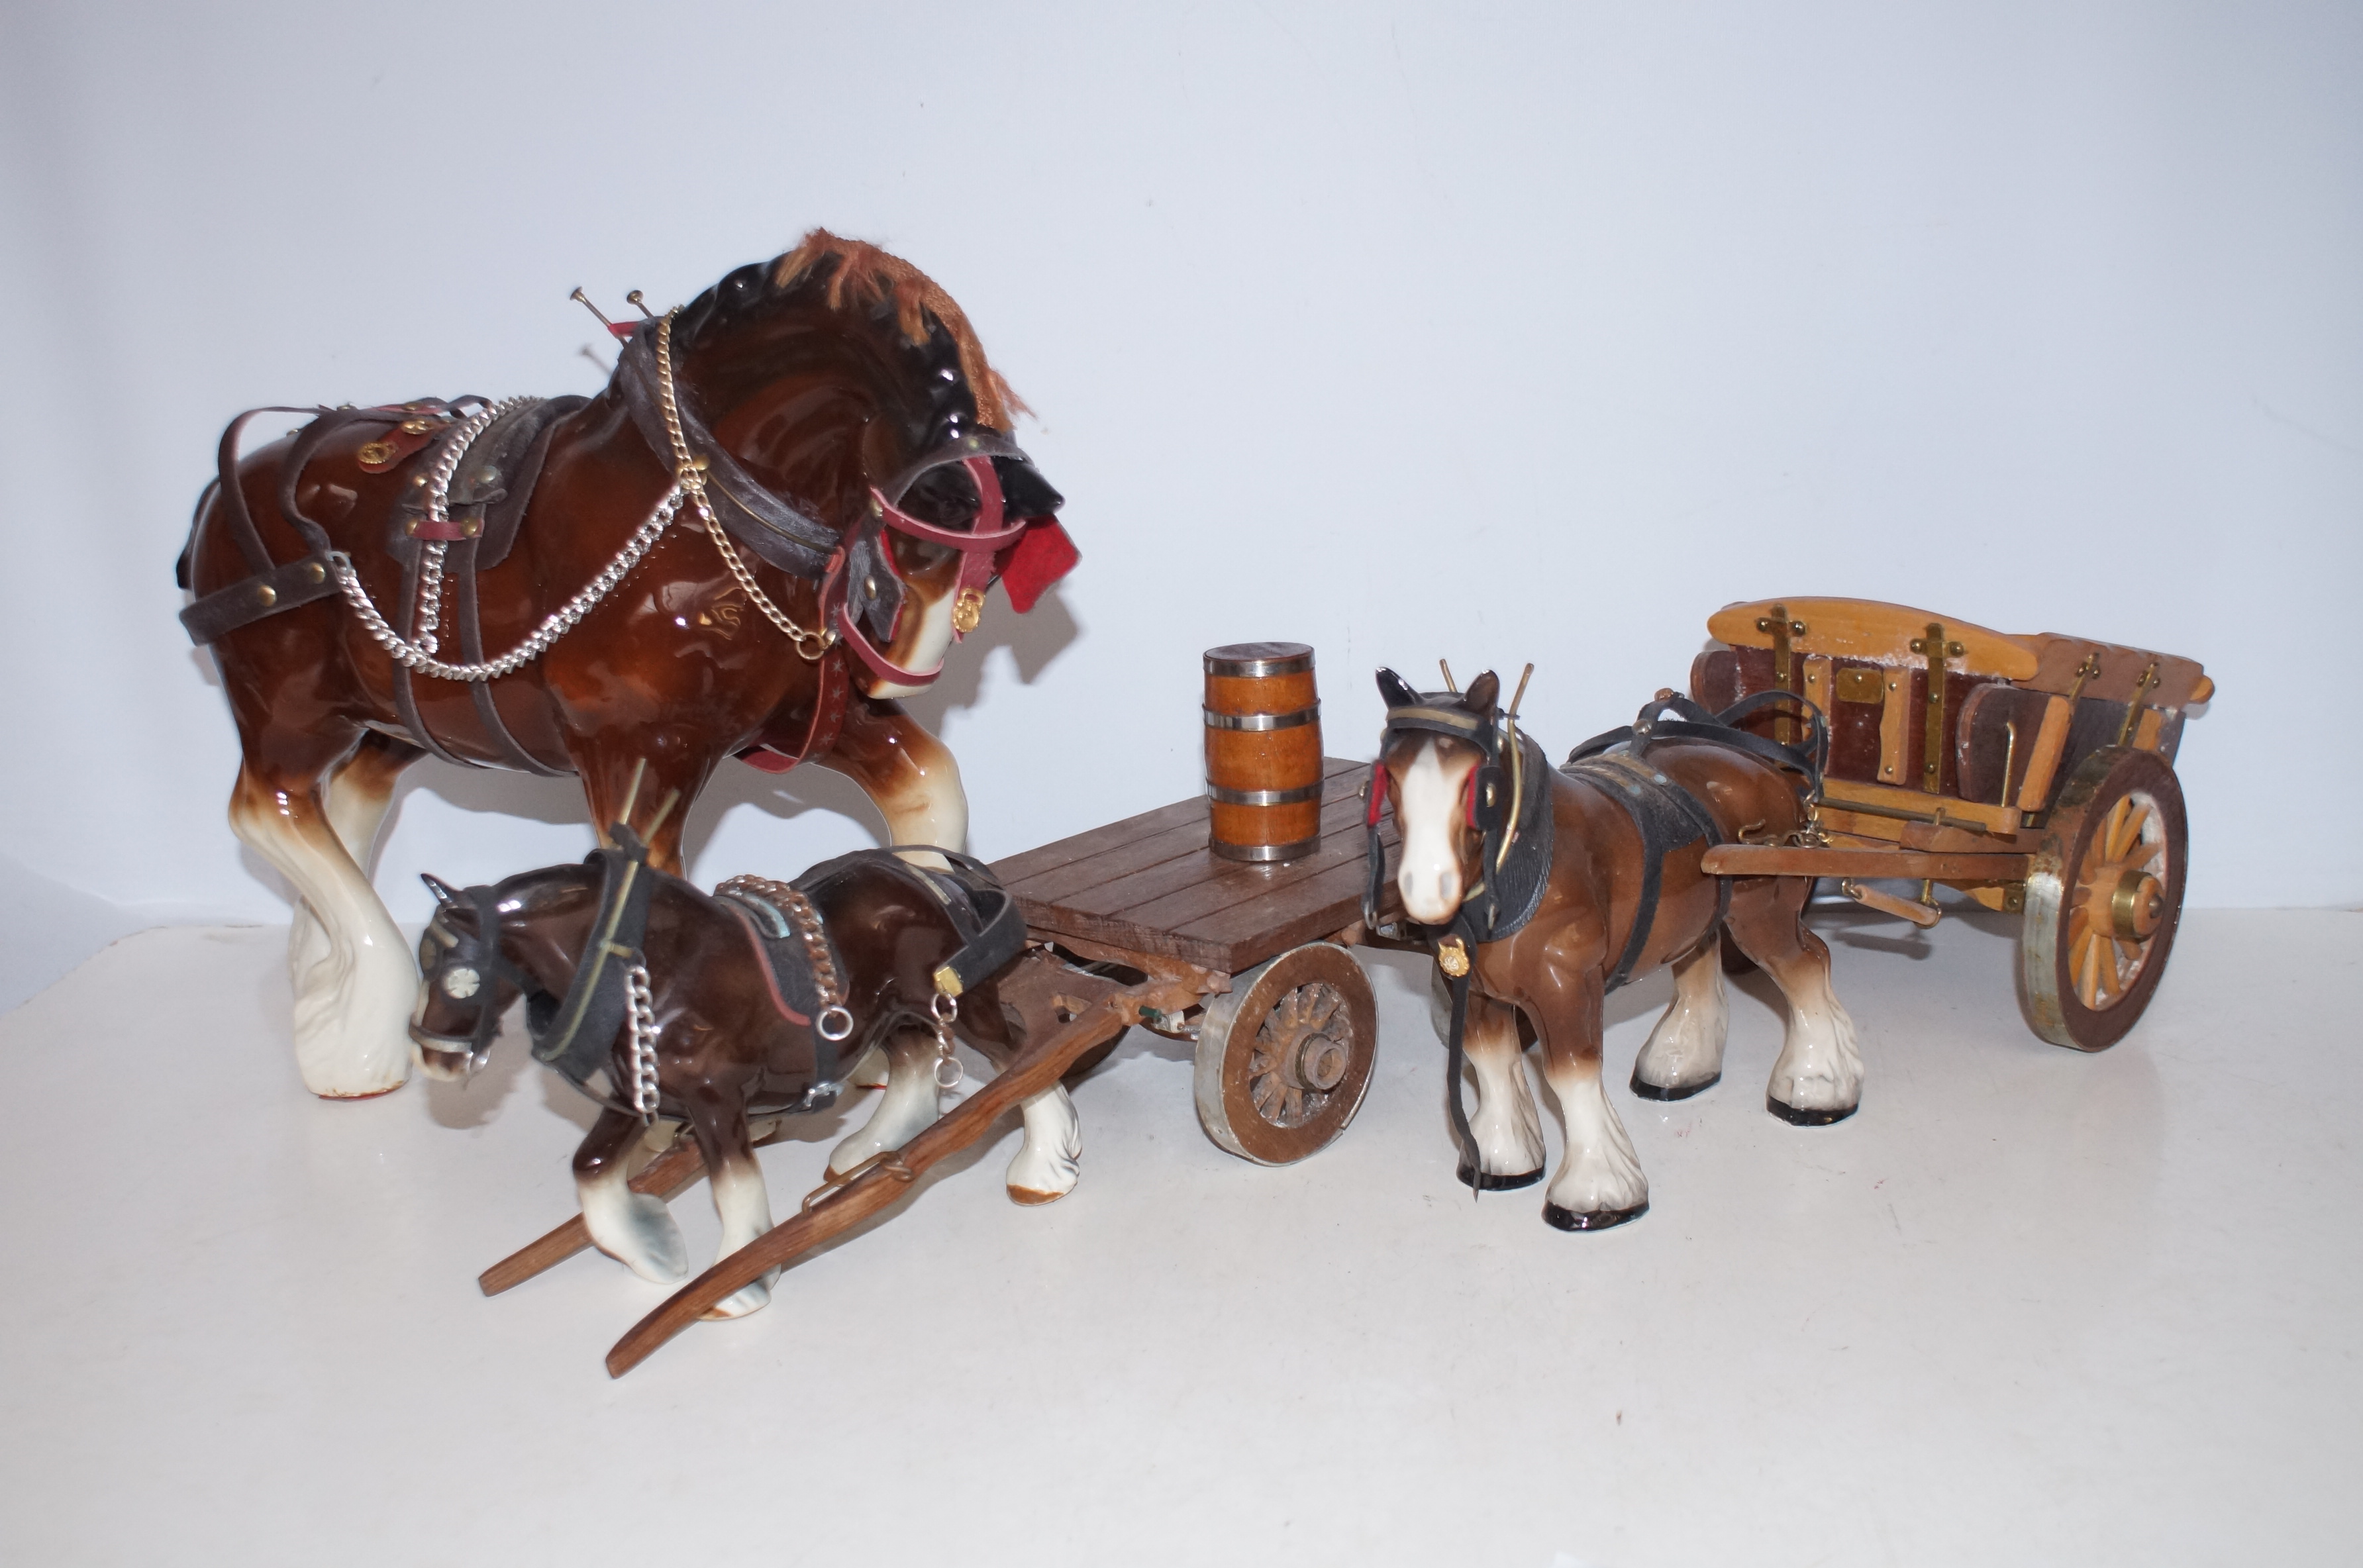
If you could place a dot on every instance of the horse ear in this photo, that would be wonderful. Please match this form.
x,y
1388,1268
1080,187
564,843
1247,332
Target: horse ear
x,y
1395,691
1482,692
445,894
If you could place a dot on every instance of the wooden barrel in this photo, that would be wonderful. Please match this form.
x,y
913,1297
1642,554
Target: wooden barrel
x,y
1263,751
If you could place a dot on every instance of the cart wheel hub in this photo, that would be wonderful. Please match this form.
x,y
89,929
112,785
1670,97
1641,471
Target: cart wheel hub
x,y
1321,1064
2136,907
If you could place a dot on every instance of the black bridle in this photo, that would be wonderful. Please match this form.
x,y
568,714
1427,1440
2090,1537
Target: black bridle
x,y
861,589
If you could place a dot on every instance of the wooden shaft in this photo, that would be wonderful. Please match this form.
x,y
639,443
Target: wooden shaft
x,y
665,1176
1035,1068
1783,860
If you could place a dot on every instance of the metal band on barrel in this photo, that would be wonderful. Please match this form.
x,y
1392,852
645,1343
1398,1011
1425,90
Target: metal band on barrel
x,y
1265,853
1256,668
1263,797
1262,721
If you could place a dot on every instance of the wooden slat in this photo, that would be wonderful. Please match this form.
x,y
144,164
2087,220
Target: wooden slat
x,y
1056,873
1164,893
1317,907
1843,792
1239,915
1868,628
1127,891
1779,860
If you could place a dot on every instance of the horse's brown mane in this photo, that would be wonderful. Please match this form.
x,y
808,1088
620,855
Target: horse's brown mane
x,y
869,276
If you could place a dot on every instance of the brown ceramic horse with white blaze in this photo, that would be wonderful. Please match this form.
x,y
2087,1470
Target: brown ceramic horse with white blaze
x,y
772,523
1548,889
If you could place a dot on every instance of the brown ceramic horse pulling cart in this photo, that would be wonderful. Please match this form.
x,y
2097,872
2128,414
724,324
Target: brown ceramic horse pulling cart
x,y
2033,773
1137,923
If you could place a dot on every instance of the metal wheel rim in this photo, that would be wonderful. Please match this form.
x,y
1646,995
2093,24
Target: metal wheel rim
x,y
1250,1048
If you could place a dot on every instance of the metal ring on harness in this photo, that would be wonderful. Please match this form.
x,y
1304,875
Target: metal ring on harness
x,y
834,1024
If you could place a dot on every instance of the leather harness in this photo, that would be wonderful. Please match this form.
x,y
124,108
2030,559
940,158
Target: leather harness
x,y
576,1033
861,590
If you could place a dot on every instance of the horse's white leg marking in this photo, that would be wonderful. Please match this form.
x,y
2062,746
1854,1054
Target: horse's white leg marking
x,y
908,1105
930,807
1599,1175
1684,1052
1426,802
633,1228
1048,1161
931,640
745,1207
358,803
359,980
1820,1070
1508,1129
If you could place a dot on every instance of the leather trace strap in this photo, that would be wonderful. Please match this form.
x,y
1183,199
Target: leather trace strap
x,y
1455,1057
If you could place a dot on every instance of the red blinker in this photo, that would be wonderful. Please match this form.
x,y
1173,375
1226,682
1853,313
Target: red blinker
x,y
1378,794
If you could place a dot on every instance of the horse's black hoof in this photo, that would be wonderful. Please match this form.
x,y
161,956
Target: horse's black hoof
x,y
1796,1118
1569,1220
1487,1183
1651,1092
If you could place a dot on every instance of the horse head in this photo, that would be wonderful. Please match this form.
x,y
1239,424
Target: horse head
x,y
849,389
483,948
1440,764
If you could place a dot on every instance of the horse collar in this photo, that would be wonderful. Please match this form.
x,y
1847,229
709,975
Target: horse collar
x,y
598,1001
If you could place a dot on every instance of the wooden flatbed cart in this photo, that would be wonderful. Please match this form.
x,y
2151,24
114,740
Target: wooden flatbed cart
x,y
1135,922
2036,774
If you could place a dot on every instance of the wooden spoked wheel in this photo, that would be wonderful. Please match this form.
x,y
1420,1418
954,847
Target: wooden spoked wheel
x,y
1285,1056
2103,898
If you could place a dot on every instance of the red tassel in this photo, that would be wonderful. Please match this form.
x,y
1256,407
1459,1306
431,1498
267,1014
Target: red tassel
x,y
1041,556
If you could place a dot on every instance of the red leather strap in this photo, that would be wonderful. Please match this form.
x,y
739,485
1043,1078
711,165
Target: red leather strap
x,y
820,735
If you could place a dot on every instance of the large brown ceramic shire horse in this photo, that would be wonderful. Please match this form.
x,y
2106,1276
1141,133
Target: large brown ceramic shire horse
x,y
1523,836
835,411
728,1043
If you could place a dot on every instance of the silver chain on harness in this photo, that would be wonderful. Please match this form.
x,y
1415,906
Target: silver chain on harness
x,y
642,1021
691,472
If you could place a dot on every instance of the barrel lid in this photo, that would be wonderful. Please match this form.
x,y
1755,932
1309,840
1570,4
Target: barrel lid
x,y
1259,658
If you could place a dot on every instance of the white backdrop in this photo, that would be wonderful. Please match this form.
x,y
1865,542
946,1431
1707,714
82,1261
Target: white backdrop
x,y
1494,332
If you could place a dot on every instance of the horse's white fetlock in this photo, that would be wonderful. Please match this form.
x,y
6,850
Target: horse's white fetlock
x,y
1684,1051
1050,1160
636,1230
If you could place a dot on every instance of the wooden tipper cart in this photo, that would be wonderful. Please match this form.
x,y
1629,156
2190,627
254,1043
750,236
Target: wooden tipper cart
x,y
1135,922
2036,774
